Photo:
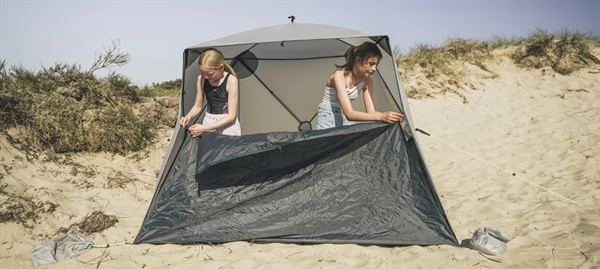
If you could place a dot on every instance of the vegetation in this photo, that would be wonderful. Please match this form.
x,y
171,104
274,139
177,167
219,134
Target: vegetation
x,y
64,109
436,64
444,69
565,52
168,88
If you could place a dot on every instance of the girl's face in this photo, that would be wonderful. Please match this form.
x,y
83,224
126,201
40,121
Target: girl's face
x,y
212,73
369,66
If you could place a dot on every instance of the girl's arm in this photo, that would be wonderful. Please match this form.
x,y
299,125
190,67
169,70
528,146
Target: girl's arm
x,y
197,104
353,115
339,81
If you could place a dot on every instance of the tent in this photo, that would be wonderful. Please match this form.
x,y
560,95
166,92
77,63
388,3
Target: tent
x,y
281,181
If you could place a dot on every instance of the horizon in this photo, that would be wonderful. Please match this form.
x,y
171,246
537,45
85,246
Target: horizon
x,y
39,34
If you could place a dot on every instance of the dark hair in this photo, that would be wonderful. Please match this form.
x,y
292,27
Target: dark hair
x,y
363,52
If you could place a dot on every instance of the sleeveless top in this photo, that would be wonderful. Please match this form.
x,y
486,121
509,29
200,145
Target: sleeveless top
x,y
216,96
331,99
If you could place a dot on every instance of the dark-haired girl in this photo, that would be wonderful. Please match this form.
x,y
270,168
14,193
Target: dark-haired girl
x,y
343,86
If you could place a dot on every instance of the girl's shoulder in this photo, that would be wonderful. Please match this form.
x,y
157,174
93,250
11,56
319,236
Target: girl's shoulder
x,y
201,80
340,72
232,81
231,77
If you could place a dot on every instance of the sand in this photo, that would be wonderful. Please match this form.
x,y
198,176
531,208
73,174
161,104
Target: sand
x,y
542,126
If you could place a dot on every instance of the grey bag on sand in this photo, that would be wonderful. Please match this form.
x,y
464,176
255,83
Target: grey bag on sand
x,y
59,249
489,241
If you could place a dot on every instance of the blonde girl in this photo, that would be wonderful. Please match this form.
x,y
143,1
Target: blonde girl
x,y
218,83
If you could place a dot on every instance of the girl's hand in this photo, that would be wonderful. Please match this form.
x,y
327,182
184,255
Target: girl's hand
x,y
391,117
197,129
184,121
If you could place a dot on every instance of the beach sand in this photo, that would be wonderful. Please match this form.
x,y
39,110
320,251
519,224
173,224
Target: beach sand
x,y
542,126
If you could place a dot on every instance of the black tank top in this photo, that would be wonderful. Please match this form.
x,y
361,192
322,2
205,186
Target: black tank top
x,y
216,96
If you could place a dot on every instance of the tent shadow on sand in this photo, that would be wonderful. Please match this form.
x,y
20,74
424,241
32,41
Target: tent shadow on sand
x,y
283,182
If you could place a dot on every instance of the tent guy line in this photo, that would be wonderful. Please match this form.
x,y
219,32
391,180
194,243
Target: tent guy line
x,y
512,173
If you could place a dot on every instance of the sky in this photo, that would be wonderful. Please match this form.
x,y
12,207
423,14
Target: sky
x,y
36,34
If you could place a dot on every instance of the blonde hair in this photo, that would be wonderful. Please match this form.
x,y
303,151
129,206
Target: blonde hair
x,y
213,58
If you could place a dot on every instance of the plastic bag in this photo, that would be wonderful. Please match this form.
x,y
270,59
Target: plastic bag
x,y
489,241
59,249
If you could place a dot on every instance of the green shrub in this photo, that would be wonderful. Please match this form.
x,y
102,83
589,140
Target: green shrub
x,y
63,109
120,130
168,88
121,88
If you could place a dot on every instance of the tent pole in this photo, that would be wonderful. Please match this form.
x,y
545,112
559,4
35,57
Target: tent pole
x,y
272,93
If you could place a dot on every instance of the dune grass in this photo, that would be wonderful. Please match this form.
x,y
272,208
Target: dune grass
x,y
438,65
64,109
443,67
436,61
565,52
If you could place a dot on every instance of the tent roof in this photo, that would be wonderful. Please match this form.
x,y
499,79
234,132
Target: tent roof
x,y
286,32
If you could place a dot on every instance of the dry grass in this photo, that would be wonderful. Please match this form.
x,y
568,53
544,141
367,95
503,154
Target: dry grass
x,y
564,52
118,180
26,211
96,222
430,70
63,109
441,67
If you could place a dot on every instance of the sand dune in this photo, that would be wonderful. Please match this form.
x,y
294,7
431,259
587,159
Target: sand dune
x,y
539,125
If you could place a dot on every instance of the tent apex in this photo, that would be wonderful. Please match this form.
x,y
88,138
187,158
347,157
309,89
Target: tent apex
x,y
292,31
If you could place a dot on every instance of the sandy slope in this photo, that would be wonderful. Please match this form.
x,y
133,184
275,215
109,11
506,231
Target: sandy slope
x,y
542,126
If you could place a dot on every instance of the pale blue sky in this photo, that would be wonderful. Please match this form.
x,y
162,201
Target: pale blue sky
x,y
155,33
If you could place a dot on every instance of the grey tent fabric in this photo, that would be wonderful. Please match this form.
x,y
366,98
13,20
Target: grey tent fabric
x,y
348,185
281,181
59,249
285,68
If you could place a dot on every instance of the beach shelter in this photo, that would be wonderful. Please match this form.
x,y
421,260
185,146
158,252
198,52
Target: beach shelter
x,y
282,181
